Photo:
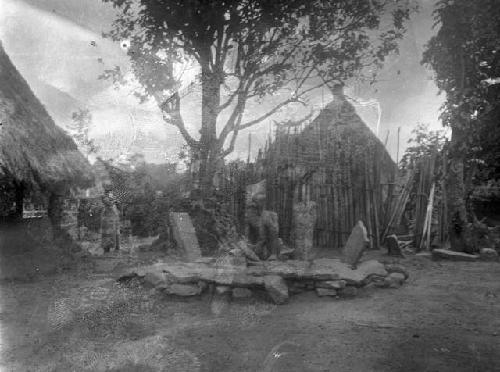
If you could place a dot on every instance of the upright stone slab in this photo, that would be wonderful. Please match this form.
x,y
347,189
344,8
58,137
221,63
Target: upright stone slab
x,y
276,288
304,218
185,235
392,244
356,244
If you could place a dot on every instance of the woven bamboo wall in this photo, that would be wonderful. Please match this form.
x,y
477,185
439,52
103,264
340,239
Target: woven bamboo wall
x,y
335,161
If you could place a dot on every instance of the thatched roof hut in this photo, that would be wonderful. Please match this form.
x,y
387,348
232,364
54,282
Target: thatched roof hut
x,y
336,161
35,154
34,151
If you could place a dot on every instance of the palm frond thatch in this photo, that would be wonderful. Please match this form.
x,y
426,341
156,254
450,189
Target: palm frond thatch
x,y
33,149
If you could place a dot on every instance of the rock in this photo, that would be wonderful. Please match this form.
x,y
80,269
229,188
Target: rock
x,y
203,286
247,251
233,261
488,254
380,283
223,273
296,287
242,293
348,291
394,268
397,277
331,284
222,289
394,280
184,290
392,244
453,256
154,278
304,219
185,235
326,292
356,244
276,288
205,260
236,252
286,252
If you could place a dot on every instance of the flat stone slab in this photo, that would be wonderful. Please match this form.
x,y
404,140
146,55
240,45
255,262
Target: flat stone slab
x,y
329,277
453,256
253,276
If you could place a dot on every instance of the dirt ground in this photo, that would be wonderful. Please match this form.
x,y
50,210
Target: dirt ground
x,y
445,318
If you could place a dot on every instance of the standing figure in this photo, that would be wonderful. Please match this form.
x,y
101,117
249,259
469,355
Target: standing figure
x,y
110,225
263,229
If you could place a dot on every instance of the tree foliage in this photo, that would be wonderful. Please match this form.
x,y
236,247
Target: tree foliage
x,y
465,55
248,50
82,120
423,143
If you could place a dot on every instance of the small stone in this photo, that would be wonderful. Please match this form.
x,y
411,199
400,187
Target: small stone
x,y
349,291
295,290
154,278
393,268
394,280
222,289
393,248
310,285
184,290
231,261
276,288
381,283
247,251
205,260
453,256
397,277
488,254
321,292
242,293
203,286
331,284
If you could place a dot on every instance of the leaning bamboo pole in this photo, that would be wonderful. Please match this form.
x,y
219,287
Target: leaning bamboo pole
x,y
426,233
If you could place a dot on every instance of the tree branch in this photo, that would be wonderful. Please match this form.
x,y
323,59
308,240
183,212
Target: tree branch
x,y
170,110
230,149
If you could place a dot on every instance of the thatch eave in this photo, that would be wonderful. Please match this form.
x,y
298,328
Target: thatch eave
x,y
33,149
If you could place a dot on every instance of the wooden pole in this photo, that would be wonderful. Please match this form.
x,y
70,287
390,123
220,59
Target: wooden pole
x,y
249,147
426,233
397,150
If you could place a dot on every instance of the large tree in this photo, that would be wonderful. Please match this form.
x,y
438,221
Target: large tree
x,y
465,55
249,49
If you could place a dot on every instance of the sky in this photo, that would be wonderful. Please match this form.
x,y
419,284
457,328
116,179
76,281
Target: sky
x,y
57,46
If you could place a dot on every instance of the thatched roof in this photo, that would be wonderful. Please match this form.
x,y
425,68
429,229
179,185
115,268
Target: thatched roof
x,y
337,134
33,149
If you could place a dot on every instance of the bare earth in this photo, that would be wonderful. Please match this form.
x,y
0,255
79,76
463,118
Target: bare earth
x,y
445,318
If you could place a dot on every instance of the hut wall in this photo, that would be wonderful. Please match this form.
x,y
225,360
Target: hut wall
x,y
337,162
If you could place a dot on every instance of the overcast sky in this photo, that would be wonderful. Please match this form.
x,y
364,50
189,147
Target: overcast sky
x,y
57,46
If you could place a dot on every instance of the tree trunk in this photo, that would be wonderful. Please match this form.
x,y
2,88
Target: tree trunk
x,y
458,227
210,150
